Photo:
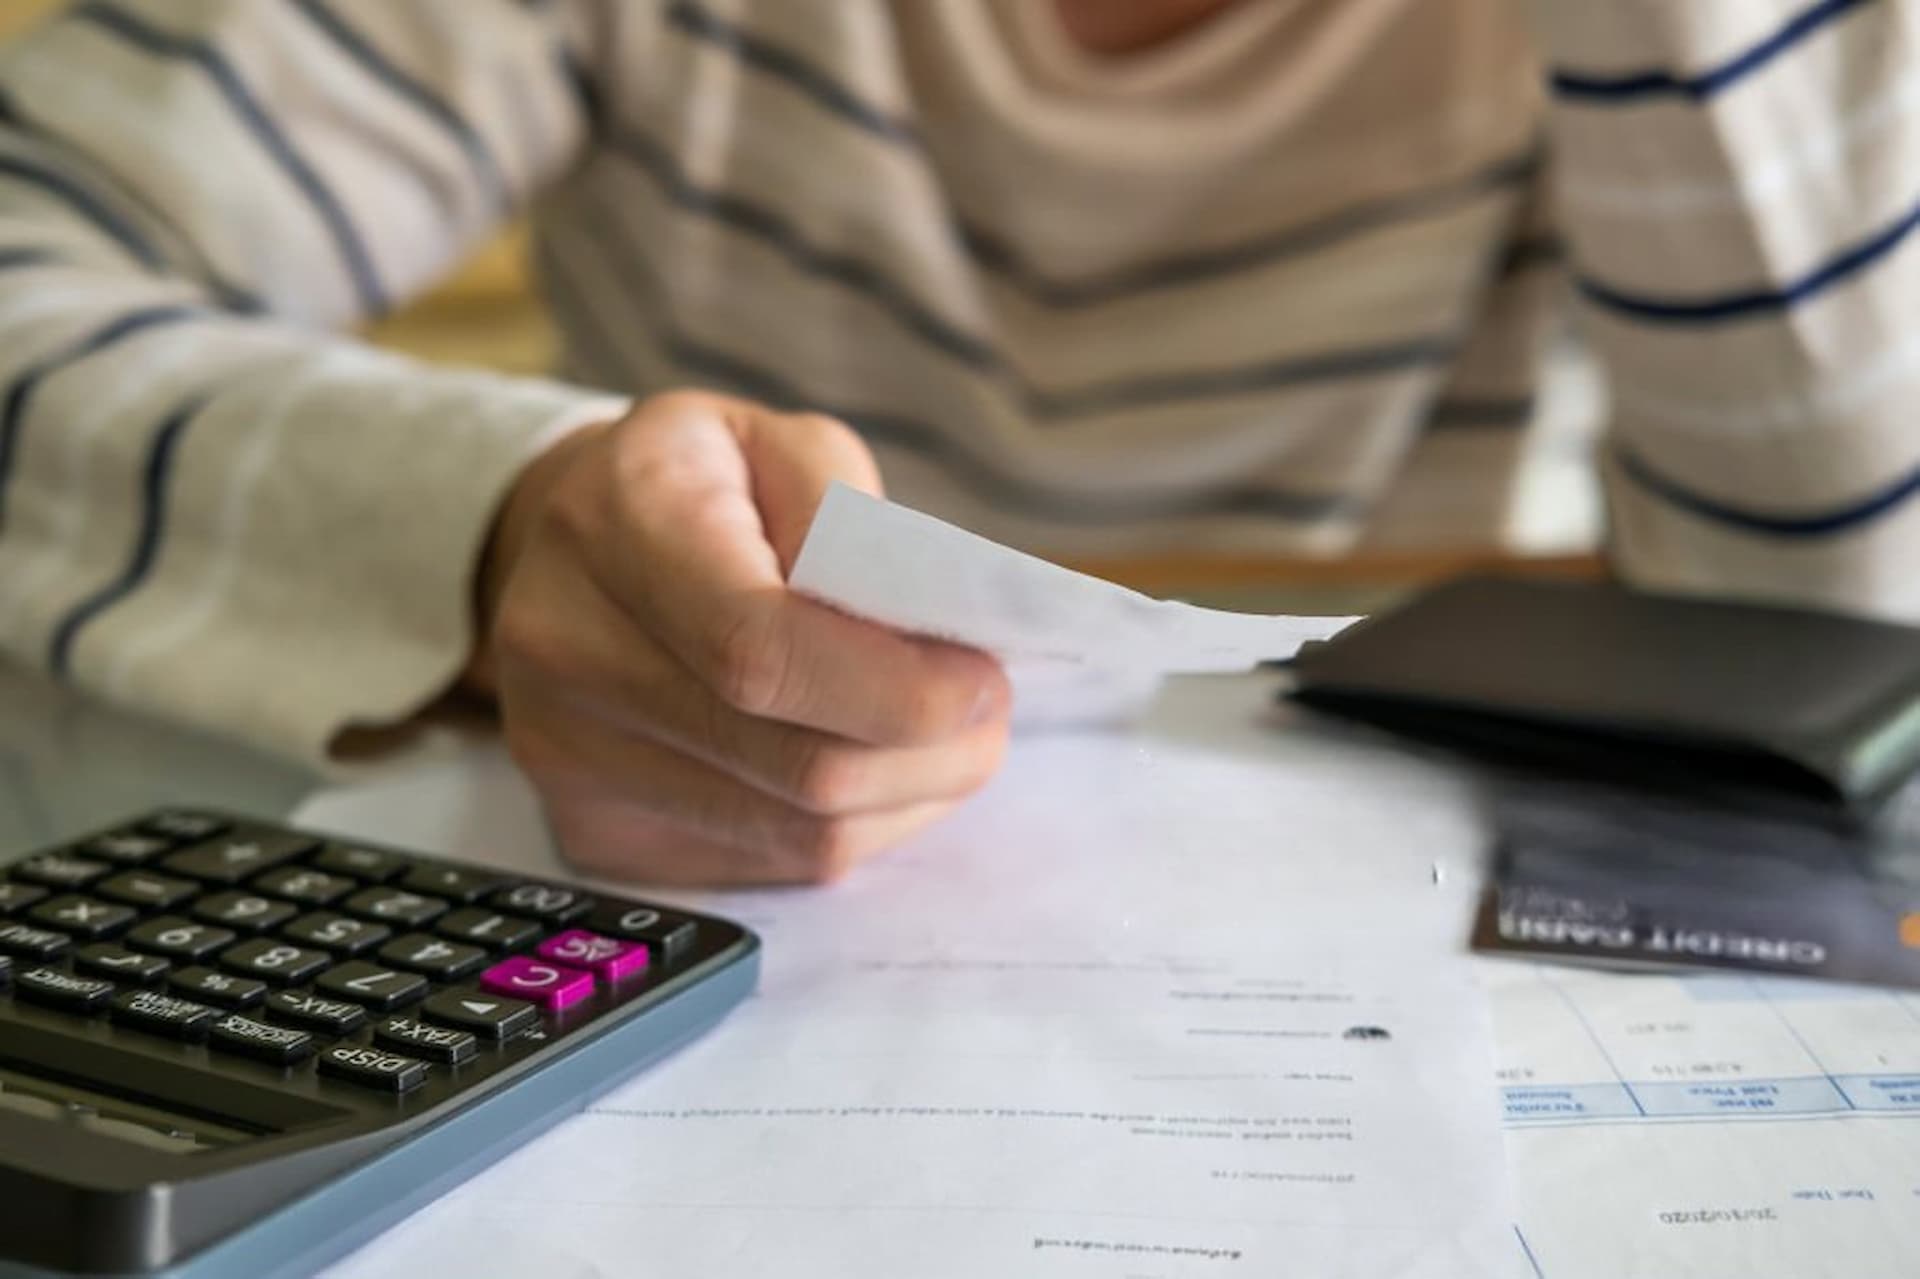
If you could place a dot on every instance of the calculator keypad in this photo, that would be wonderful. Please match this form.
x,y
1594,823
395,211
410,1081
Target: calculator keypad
x,y
374,968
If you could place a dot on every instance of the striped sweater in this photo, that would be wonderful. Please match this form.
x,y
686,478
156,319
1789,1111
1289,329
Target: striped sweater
x,y
1280,285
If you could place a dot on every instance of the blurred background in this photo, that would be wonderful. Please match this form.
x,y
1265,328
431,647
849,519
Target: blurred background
x,y
490,314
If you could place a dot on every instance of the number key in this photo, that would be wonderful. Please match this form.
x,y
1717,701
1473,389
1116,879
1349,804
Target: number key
x,y
274,962
104,959
549,902
244,911
481,927
178,938
433,957
664,933
393,906
381,989
304,884
337,933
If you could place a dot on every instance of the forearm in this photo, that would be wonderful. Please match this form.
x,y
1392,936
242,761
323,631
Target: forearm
x,y
1737,183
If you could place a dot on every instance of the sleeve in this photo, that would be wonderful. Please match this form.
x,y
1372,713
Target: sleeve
x,y
1738,183
214,504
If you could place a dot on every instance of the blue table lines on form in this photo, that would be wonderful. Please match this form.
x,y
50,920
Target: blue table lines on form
x,y
1664,1049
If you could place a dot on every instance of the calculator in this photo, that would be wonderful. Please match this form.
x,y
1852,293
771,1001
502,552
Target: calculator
x,y
229,1048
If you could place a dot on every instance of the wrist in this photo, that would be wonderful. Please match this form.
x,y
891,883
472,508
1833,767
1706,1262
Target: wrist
x,y
513,529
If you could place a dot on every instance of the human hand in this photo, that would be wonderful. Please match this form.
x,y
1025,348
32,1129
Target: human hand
x,y
685,717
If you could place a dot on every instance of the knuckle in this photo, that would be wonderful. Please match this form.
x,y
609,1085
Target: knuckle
x,y
823,849
677,402
828,779
525,636
533,753
749,665
925,713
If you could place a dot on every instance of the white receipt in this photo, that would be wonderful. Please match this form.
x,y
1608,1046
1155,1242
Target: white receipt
x,y
889,564
1142,1009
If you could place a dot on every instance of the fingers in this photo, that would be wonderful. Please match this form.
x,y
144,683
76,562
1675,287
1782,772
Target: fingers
x,y
793,459
565,643
775,655
688,557
628,807
687,718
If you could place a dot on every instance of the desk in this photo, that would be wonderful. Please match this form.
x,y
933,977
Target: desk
x,y
1639,1145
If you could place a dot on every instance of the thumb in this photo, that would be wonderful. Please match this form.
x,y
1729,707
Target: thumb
x,y
792,458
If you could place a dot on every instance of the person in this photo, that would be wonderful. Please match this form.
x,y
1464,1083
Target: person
x,y
1258,275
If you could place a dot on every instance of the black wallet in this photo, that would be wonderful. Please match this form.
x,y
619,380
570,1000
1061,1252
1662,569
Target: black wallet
x,y
1741,702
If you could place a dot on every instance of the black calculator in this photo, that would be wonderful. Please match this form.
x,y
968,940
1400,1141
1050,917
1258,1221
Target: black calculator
x,y
233,1049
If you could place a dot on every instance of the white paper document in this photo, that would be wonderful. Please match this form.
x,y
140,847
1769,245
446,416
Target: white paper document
x,y
1138,1011
890,564
1718,1127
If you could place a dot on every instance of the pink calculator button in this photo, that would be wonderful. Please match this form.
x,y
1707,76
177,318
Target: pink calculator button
x,y
552,986
607,959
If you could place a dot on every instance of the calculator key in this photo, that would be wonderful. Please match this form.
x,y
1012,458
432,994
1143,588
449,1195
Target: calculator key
x,y
433,957
550,902
274,962
184,826
28,942
451,882
552,986
179,938
605,958
380,989
395,906
17,897
316,1012
264,1041
104,959
128,847
306,885
666,934
372,1068
368,865
56,989
220,988
338,933
244,912
159,1014
488,1016
82,916
60,870
145,889
237,858
481,927
443,1044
